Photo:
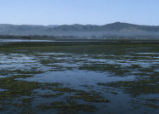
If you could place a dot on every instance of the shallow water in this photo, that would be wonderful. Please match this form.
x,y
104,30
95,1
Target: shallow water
x,y
86,80
76,78
1,90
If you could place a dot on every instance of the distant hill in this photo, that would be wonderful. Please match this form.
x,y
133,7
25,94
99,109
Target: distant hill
x,y
113,30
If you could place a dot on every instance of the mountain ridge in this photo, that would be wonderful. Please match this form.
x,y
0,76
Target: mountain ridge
x,y
115,30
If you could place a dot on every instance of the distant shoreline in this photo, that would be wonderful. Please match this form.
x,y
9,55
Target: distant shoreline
x,y
72,43
50,40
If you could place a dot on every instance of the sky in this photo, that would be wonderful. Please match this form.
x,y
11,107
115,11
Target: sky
x,y
99,12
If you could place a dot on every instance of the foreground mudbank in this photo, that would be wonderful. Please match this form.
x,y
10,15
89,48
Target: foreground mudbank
x,y
79,79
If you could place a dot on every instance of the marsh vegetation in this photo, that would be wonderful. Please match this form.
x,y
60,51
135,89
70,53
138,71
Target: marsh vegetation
x,y
115,78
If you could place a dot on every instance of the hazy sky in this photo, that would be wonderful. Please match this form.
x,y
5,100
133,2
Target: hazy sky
x,y
79,11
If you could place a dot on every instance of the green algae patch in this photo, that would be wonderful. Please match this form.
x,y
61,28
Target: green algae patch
x,y
16,88
152,105
44,86
50,60
90,97
52,95
82,95
112,68
27,100
69,107
66,90
28,72
22,72
138,87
